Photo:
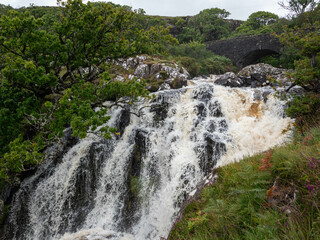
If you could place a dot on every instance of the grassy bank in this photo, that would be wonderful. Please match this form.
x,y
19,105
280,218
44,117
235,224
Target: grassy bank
x,y
274,195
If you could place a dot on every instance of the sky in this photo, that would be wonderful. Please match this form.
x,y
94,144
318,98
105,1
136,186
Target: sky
x,y
239,9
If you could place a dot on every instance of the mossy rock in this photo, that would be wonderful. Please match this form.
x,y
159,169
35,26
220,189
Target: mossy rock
x,y
178,83
153,85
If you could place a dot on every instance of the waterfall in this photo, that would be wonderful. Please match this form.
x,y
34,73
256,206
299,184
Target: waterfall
x,y
132,186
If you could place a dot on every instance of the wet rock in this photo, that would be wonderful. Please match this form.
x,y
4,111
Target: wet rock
x,y
261,68
210,153
84,188
160,110
14,228
128,214
215,109
229,79
164,86
154,72
201,110
204,93
124,120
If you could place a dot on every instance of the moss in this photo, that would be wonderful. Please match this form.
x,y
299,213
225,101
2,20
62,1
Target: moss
x,y
154,84
135,185
164,75
4,213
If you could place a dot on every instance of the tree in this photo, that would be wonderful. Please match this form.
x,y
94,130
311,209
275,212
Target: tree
x,y
257,23
306,40
54,78
208,25
4,9
305,108
298,7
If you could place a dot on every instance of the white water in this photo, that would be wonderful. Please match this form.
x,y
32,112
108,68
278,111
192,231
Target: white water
x,y
170,167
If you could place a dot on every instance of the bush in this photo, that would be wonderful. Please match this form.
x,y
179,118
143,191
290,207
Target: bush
x,y
191,64
306,110
198,60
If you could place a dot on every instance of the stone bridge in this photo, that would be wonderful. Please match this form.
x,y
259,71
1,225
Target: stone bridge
x,y
246,50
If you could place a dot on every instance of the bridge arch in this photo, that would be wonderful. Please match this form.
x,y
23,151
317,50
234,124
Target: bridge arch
x,y
253,56
246,50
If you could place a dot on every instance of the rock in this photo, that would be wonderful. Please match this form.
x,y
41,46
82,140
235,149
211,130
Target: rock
x,y
142,71
257,75
260,77
164,86
262,73
119,78
154,72
230,79
178,82
155,68
297,90
261,68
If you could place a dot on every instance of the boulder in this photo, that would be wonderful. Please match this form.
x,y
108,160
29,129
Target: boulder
x,y
262,73
158,75
257,75
230,79
155,68
142,71
261,68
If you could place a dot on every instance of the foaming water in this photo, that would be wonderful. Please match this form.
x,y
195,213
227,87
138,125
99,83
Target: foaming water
x,y
255,125
132,187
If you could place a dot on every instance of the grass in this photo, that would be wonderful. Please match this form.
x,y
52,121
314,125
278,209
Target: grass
x,y
275,195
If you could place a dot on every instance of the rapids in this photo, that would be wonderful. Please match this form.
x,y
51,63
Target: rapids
x,y
132,186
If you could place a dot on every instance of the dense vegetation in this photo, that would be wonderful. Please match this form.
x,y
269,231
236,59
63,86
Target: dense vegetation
x,y
198,60
208,25
56,75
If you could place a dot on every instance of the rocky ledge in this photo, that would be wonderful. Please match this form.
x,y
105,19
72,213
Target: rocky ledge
x,y
162,74
258,75
158,73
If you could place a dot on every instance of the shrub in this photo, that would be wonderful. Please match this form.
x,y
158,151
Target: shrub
x,y
198,60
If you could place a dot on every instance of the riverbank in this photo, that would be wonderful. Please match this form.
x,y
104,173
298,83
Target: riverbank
x,y
274,195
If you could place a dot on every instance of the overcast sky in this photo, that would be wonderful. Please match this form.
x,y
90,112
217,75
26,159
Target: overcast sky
x,y
239,9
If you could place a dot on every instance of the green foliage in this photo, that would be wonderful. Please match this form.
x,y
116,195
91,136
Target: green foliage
x,y
144,21
237,205
4,9
257,23
198,60
21,155
305,40
208,25
298,7
54,74
306,110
